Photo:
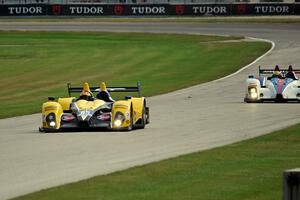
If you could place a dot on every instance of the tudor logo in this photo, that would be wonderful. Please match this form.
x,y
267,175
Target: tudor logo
x,y
86,9
279,9
148,10
179,9
25,10
210,10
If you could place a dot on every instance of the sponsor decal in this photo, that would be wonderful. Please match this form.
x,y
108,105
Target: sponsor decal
x,y
50,108
67,118
22,10
104,117
86,10
118,9
179,9
56,9
209,10
148,10
121,106
84,114
272,9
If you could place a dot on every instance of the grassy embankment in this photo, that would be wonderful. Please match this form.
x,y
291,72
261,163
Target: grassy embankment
x,y
247,170
34,65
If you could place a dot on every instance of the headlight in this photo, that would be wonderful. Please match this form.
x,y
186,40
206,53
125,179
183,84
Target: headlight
x,y
119,119
252,90
253,93
52,124
50,119
118,122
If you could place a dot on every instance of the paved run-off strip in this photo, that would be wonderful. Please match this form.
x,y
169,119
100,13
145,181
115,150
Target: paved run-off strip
x,y
214,116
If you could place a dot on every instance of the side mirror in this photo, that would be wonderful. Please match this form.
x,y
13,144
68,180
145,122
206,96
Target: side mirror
x,y
127,97
51,98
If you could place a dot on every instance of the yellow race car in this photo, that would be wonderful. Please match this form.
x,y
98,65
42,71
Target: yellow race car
x,y
73,113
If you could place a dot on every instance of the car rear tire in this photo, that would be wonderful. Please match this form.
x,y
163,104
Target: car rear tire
x,y
144,118
147,115
129,128
41,130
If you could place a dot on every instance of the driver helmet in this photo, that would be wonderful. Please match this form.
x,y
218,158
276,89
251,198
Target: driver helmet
x,y
86,89
277,74
103,86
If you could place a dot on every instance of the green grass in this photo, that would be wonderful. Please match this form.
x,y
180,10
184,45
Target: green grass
x,y
249,170
35,65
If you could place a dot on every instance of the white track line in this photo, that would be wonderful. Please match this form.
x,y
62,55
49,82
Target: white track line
x,y
207,84
256,60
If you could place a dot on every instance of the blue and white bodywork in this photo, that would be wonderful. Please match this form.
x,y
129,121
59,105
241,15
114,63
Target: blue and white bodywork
x,y
280,86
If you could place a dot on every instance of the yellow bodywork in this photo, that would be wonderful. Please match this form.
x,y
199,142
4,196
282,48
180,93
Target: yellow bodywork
x,y
66,102
83,104
125,106
52,107
138,104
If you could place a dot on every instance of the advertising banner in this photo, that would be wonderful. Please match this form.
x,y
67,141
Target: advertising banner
x,y
23,10
200,9
263,9
149,9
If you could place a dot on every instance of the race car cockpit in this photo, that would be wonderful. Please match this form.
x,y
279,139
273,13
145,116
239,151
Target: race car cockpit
x,y
291,74
104,94
86,93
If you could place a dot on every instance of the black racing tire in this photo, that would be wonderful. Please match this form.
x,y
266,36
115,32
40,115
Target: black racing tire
x,y
249,101
147,115
46,130
130,127
246,100
41,130
143,119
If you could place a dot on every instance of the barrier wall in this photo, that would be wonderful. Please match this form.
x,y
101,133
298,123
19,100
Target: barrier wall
x,y
149,10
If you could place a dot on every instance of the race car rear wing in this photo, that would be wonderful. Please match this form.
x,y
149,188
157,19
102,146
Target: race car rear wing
x,y
271,71
109,89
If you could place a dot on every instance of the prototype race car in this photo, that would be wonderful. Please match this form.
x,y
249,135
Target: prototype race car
x,y
273,86
71,112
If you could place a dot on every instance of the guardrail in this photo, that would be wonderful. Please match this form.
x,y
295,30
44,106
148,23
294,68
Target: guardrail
x,y
150,9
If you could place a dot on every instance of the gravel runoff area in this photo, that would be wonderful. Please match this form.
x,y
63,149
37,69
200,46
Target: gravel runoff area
x,y
185,121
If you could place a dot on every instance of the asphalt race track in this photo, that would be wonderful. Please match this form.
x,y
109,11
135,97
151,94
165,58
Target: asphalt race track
x,y
189,120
